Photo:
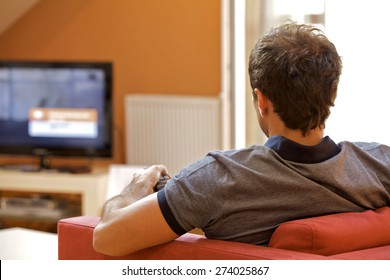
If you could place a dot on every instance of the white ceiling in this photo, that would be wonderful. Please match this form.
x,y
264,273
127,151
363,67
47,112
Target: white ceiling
x,y
12,10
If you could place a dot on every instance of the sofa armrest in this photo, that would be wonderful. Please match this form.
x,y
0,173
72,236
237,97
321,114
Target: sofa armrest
x,y
75,243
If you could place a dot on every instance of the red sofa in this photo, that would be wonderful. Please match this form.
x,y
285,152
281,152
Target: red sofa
x,y
353,235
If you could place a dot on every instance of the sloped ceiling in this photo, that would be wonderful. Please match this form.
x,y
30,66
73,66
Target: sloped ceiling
x,y
12,10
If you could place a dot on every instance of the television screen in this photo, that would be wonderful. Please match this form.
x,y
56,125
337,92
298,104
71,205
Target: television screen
x,y
56,108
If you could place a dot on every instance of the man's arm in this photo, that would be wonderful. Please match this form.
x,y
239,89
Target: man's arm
x,y
132,220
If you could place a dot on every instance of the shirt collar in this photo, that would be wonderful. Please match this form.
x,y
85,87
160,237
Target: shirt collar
x,y
292,151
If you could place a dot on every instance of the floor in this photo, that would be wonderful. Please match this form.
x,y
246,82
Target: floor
x,y
27,244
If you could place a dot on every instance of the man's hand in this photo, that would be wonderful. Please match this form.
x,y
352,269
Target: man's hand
x,y
143,182
140,186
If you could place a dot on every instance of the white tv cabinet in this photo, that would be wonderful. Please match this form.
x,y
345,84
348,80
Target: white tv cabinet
x,y
87,189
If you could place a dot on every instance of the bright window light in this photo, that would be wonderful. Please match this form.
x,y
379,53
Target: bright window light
x,y
298,7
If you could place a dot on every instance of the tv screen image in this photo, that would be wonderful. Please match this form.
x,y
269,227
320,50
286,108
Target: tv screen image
x,y
56,108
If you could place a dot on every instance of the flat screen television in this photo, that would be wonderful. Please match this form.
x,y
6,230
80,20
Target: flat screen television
x,y
56,109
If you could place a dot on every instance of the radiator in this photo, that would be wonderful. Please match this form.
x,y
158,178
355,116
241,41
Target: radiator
x,y
171,130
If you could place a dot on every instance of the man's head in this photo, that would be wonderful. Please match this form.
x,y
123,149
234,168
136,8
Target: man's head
x,y
297,68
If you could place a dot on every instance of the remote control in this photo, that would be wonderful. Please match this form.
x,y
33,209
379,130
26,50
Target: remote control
x,y
161,183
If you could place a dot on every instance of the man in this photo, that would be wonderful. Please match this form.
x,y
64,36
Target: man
x,y
243,195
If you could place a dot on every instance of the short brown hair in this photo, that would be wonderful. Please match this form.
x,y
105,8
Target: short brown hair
x,y
297,68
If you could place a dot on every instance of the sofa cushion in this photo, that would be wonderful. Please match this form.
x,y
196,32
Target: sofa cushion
x,y
336,233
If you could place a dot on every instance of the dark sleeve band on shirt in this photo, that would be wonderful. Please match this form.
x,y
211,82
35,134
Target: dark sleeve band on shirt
x,y
168,215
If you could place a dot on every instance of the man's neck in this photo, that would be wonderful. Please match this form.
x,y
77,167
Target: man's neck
x,y
276,127
313,137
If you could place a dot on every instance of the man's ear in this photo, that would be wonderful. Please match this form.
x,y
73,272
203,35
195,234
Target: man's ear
x,y
262,102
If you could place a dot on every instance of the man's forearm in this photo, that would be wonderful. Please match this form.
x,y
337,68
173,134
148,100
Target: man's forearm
x,y
115,203
124,216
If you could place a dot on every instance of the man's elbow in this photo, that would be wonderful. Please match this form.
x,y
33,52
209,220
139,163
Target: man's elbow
x,y
98,242
104,243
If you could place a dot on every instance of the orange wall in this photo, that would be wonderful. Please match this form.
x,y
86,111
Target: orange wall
x,y
156,46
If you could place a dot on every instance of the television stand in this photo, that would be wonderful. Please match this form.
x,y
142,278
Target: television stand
x,y
75,194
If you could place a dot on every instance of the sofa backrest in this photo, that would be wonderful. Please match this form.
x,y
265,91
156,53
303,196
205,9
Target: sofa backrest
x,y
335,234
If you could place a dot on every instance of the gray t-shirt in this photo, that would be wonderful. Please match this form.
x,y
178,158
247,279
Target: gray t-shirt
x,y
243,195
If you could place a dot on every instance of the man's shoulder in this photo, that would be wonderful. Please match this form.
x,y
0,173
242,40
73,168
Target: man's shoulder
x,y
250,150
228,159
365,146
362,150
